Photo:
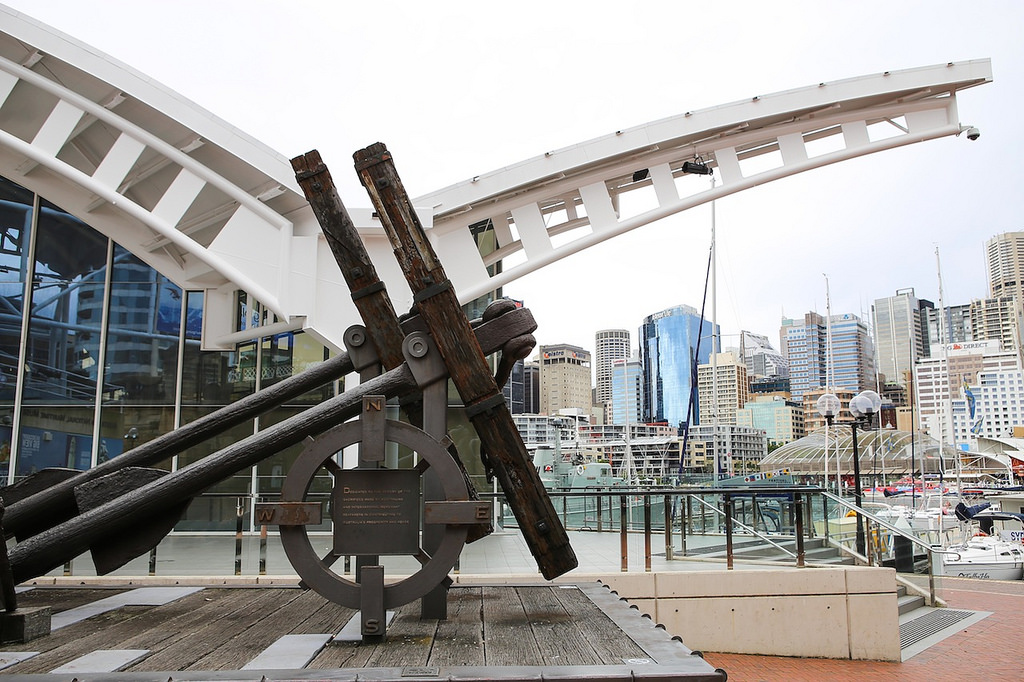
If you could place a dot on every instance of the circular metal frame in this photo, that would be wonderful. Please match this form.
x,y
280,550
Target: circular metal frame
x,y
315,571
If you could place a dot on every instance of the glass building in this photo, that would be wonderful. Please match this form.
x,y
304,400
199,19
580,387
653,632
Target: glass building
x,y
672,343
627,391
101,353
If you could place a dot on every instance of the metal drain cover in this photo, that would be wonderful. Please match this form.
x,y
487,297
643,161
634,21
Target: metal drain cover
x,y
913,631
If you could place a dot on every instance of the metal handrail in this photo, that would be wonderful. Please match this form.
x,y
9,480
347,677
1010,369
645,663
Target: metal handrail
x,y
746,527
885,524
929,549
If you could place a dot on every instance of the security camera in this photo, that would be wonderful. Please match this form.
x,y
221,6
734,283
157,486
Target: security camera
x,y
972,133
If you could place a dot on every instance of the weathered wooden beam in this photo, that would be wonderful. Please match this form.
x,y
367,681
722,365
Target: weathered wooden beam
x,y
438,306
368,291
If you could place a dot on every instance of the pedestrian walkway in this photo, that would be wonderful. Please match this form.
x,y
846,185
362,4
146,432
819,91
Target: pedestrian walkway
x,y
987,650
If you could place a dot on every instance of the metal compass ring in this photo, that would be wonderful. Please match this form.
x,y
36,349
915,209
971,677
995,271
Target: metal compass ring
x,y
315,572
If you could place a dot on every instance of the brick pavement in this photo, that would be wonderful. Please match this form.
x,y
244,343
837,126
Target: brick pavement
x,y
987,650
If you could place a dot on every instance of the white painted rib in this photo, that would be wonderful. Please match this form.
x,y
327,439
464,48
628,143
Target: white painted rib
x,y
56,130
178,197
599,206
664,183
533,233
114,167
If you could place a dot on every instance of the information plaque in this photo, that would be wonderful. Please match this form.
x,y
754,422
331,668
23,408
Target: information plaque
x,y
376,511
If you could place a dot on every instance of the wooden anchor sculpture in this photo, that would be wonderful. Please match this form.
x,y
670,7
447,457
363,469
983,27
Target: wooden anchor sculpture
x,y
369,498
119,511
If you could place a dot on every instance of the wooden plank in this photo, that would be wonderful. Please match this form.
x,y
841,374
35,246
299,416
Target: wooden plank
x,y
327,617
186,648
129,628
439,308
555,630
460,638
509,637
368,292
408,641
597,629
265,627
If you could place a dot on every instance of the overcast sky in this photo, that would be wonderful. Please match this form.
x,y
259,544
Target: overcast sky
x,y
456,89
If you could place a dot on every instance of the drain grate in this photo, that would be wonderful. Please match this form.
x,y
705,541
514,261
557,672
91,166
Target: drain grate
x,y
913,631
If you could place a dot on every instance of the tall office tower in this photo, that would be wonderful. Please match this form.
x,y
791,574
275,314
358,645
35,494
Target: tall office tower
x,y
761,358
901,333
564,379
1005,254
853,353
997,319
627,399
805,345
514,389
722,388
531,387
610,345
672,343
957,321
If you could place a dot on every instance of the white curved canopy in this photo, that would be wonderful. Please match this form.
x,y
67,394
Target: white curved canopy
x,y
213,209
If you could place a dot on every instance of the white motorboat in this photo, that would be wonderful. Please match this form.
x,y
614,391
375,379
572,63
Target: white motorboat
x,y
983,553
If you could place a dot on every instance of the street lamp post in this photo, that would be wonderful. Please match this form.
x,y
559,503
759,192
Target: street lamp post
x,y
863,407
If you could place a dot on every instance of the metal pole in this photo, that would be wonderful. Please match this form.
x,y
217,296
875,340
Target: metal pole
x,y
668,528
623,544
647,533
239,517
728,531
857,491
799,502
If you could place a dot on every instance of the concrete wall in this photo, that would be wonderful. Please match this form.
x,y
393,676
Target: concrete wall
x,y
845,612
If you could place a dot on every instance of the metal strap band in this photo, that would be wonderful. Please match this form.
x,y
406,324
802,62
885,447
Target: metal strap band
x,y
485,405
367,290
432,290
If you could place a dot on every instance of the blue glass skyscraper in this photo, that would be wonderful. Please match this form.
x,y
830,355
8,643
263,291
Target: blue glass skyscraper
x,y
670,341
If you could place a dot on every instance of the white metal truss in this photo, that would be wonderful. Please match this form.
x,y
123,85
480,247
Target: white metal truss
x,y
213,209
549,207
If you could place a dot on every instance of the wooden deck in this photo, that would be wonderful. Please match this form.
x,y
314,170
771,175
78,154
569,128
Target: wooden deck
x,y
492,632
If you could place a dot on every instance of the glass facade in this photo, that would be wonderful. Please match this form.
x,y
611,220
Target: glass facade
x,y
100,353
670,342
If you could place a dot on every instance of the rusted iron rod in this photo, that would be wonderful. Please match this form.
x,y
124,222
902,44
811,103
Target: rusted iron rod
x,y
52,505
121,516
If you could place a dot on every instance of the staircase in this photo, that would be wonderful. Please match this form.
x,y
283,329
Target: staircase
x,y
816,551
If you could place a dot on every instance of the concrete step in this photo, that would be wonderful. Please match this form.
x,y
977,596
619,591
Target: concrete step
x,y
909,602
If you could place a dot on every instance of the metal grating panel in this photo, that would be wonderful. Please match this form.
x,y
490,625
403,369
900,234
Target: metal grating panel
x,y
913,631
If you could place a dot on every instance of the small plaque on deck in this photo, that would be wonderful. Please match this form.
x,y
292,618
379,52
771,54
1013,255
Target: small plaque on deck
x,y
376,511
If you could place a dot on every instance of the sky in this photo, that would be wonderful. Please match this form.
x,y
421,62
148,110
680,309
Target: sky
x,y
458,89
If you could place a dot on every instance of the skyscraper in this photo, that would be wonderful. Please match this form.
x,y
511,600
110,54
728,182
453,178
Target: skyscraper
x,y
627,399
1005,260
805,345
760,357
610,345
670,343
722,386
901,333
564,379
